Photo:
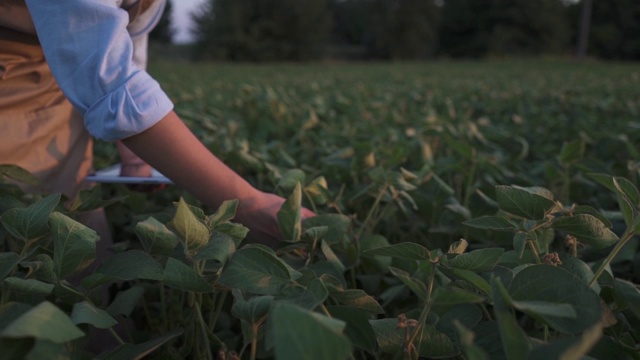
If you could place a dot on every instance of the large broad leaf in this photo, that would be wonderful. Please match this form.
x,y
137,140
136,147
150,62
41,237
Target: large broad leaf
x,y
44,321
471,350
180,276
289,216
520,202
19,174
570,348
358,328
32,222
189,228
91,199
254,310
406,251
255,270
31,287
131,265
492,223
623,184
514,340
338,226
445,297
140,351
86,313
418,287
356,298
553,285
220,247
126,301
472,278
74,245
476,260
627,295
225,212
431,343
155,237
309,297
302,334
8,262
587,229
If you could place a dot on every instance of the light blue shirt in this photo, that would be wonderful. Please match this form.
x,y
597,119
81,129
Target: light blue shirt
x,y
89,46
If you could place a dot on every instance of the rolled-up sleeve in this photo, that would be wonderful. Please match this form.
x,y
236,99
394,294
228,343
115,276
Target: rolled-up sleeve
x,y
90,53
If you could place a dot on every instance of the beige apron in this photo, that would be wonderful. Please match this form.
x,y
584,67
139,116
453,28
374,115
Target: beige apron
x,y
39,129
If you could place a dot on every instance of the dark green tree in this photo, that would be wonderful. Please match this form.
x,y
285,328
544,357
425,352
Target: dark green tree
x,y
262,30
615,29
164,31
405,29
473,28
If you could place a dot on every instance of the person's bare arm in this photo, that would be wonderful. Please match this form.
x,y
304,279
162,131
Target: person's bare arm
x,y
174,150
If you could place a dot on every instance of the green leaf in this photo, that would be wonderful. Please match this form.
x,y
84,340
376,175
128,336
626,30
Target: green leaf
x,y
554,285
625,185
430,343
91,199
180,276
477,260
32,222
405,251
19,174
514,339
579,269
472,278
587,229
330,256
520,202
220,248
545,308
338,226
44,321
520,242
358,328
86,313
11,311
302,334
237,232
131,265
74,245
139,351
253,310
126,301
417,286
629,211
225,212
472,351
627,296
155,237
447,296
289,216
356,298
255,270
310,297
8,262
189,227
291,178
571,152
570,348
491,223
28,286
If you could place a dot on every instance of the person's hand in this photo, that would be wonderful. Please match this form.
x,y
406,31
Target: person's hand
x,y
132,166
260,215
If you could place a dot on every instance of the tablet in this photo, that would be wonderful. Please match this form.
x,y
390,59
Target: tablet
x,y
111,175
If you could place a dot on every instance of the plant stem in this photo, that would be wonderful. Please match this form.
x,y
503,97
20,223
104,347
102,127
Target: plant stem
x,y
425,309
163,301
374,207
115,335
534,248
214,316
203,328
628,235
254,341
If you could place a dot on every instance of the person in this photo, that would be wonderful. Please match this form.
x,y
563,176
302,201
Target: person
x,y
71,70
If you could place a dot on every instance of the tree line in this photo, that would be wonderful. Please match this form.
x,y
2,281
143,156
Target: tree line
x,y
295,30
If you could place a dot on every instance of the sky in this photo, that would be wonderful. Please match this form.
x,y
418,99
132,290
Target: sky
x,y
182,20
